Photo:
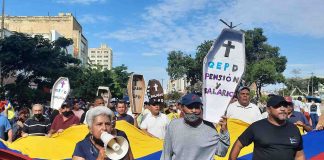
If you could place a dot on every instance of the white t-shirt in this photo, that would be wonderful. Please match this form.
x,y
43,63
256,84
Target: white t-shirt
x,y
155,125
248,114
298,105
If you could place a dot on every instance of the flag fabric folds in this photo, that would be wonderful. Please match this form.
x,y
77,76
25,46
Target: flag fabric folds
x,y
61,146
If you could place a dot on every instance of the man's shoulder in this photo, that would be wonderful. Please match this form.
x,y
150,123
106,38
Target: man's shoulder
x,y
47,120
3,118
234,104
29,120
129,116
164,116
252,105
299,114
291,125
176,122
209,124
261,122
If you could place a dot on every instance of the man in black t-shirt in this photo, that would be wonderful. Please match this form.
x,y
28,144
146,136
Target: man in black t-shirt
x,y
274,137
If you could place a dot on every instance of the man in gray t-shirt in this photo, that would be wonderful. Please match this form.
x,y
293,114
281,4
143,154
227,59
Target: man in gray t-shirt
x,y
192,138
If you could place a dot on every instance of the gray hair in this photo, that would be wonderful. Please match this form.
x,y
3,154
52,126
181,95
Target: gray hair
x,y
96,111
39,105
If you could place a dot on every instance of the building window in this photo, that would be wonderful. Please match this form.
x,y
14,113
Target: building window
x,y
106,52
105,60
93,56
99,60
106,56
93,51
99,56
98,51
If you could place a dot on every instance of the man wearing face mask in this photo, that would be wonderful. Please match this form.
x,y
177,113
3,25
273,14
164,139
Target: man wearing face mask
x,y
64,120
191,138
37,125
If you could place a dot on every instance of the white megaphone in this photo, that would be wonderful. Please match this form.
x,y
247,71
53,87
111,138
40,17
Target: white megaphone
x,y
116,147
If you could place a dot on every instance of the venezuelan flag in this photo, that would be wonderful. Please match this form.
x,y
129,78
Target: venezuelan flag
x,y
61,146
10,108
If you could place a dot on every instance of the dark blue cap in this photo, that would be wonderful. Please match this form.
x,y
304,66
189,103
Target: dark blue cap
x,y
275,100
190,98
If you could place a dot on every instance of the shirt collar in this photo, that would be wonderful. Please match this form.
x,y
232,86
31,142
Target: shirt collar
x,y
245,107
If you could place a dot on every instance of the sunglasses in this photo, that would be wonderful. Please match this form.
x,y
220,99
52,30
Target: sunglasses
x,y
280,105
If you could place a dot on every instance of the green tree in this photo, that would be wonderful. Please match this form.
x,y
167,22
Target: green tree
x,y
264,63
35,62
263,72
87,83
182,65
178,64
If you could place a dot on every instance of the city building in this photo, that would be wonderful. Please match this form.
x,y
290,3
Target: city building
x,y
178,85
52,27
100,57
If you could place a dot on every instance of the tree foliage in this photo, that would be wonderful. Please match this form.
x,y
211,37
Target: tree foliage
x,y
182,65
87,83
303,84
36,63
264,63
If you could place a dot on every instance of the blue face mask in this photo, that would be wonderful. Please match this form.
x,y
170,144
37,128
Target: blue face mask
x,y
191,117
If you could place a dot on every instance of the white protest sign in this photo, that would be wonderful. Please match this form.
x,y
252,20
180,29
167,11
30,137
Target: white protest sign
x,y
222,71
104,92
60,91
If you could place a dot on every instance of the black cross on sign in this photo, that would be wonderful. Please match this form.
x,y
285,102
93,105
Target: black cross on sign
x,y
228,47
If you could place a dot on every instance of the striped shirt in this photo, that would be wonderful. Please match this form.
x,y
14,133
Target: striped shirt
x,y
36,127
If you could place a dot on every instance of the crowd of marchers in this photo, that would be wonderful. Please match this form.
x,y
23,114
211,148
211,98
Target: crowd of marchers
x,y
275,127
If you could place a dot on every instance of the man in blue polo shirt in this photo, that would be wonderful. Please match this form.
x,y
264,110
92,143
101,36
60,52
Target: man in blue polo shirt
x,y
5,127
297,118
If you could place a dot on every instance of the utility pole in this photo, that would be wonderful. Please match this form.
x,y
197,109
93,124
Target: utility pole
x,y
162,82
2,20
312,83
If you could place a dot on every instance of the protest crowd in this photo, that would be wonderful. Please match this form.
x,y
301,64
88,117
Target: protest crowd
x,y
186,135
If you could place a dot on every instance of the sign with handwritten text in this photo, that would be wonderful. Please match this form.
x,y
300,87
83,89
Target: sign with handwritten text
x,y
60,91
223,68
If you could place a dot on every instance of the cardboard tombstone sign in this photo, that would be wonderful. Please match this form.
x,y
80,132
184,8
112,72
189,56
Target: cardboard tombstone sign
x,y
60,91
223,68
104,92
136,92
155,91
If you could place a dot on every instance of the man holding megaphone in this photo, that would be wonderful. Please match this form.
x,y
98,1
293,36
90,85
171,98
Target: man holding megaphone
x,y
101,144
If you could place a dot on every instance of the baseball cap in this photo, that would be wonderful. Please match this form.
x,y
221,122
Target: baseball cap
x,y
190,98
244,87
275,100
